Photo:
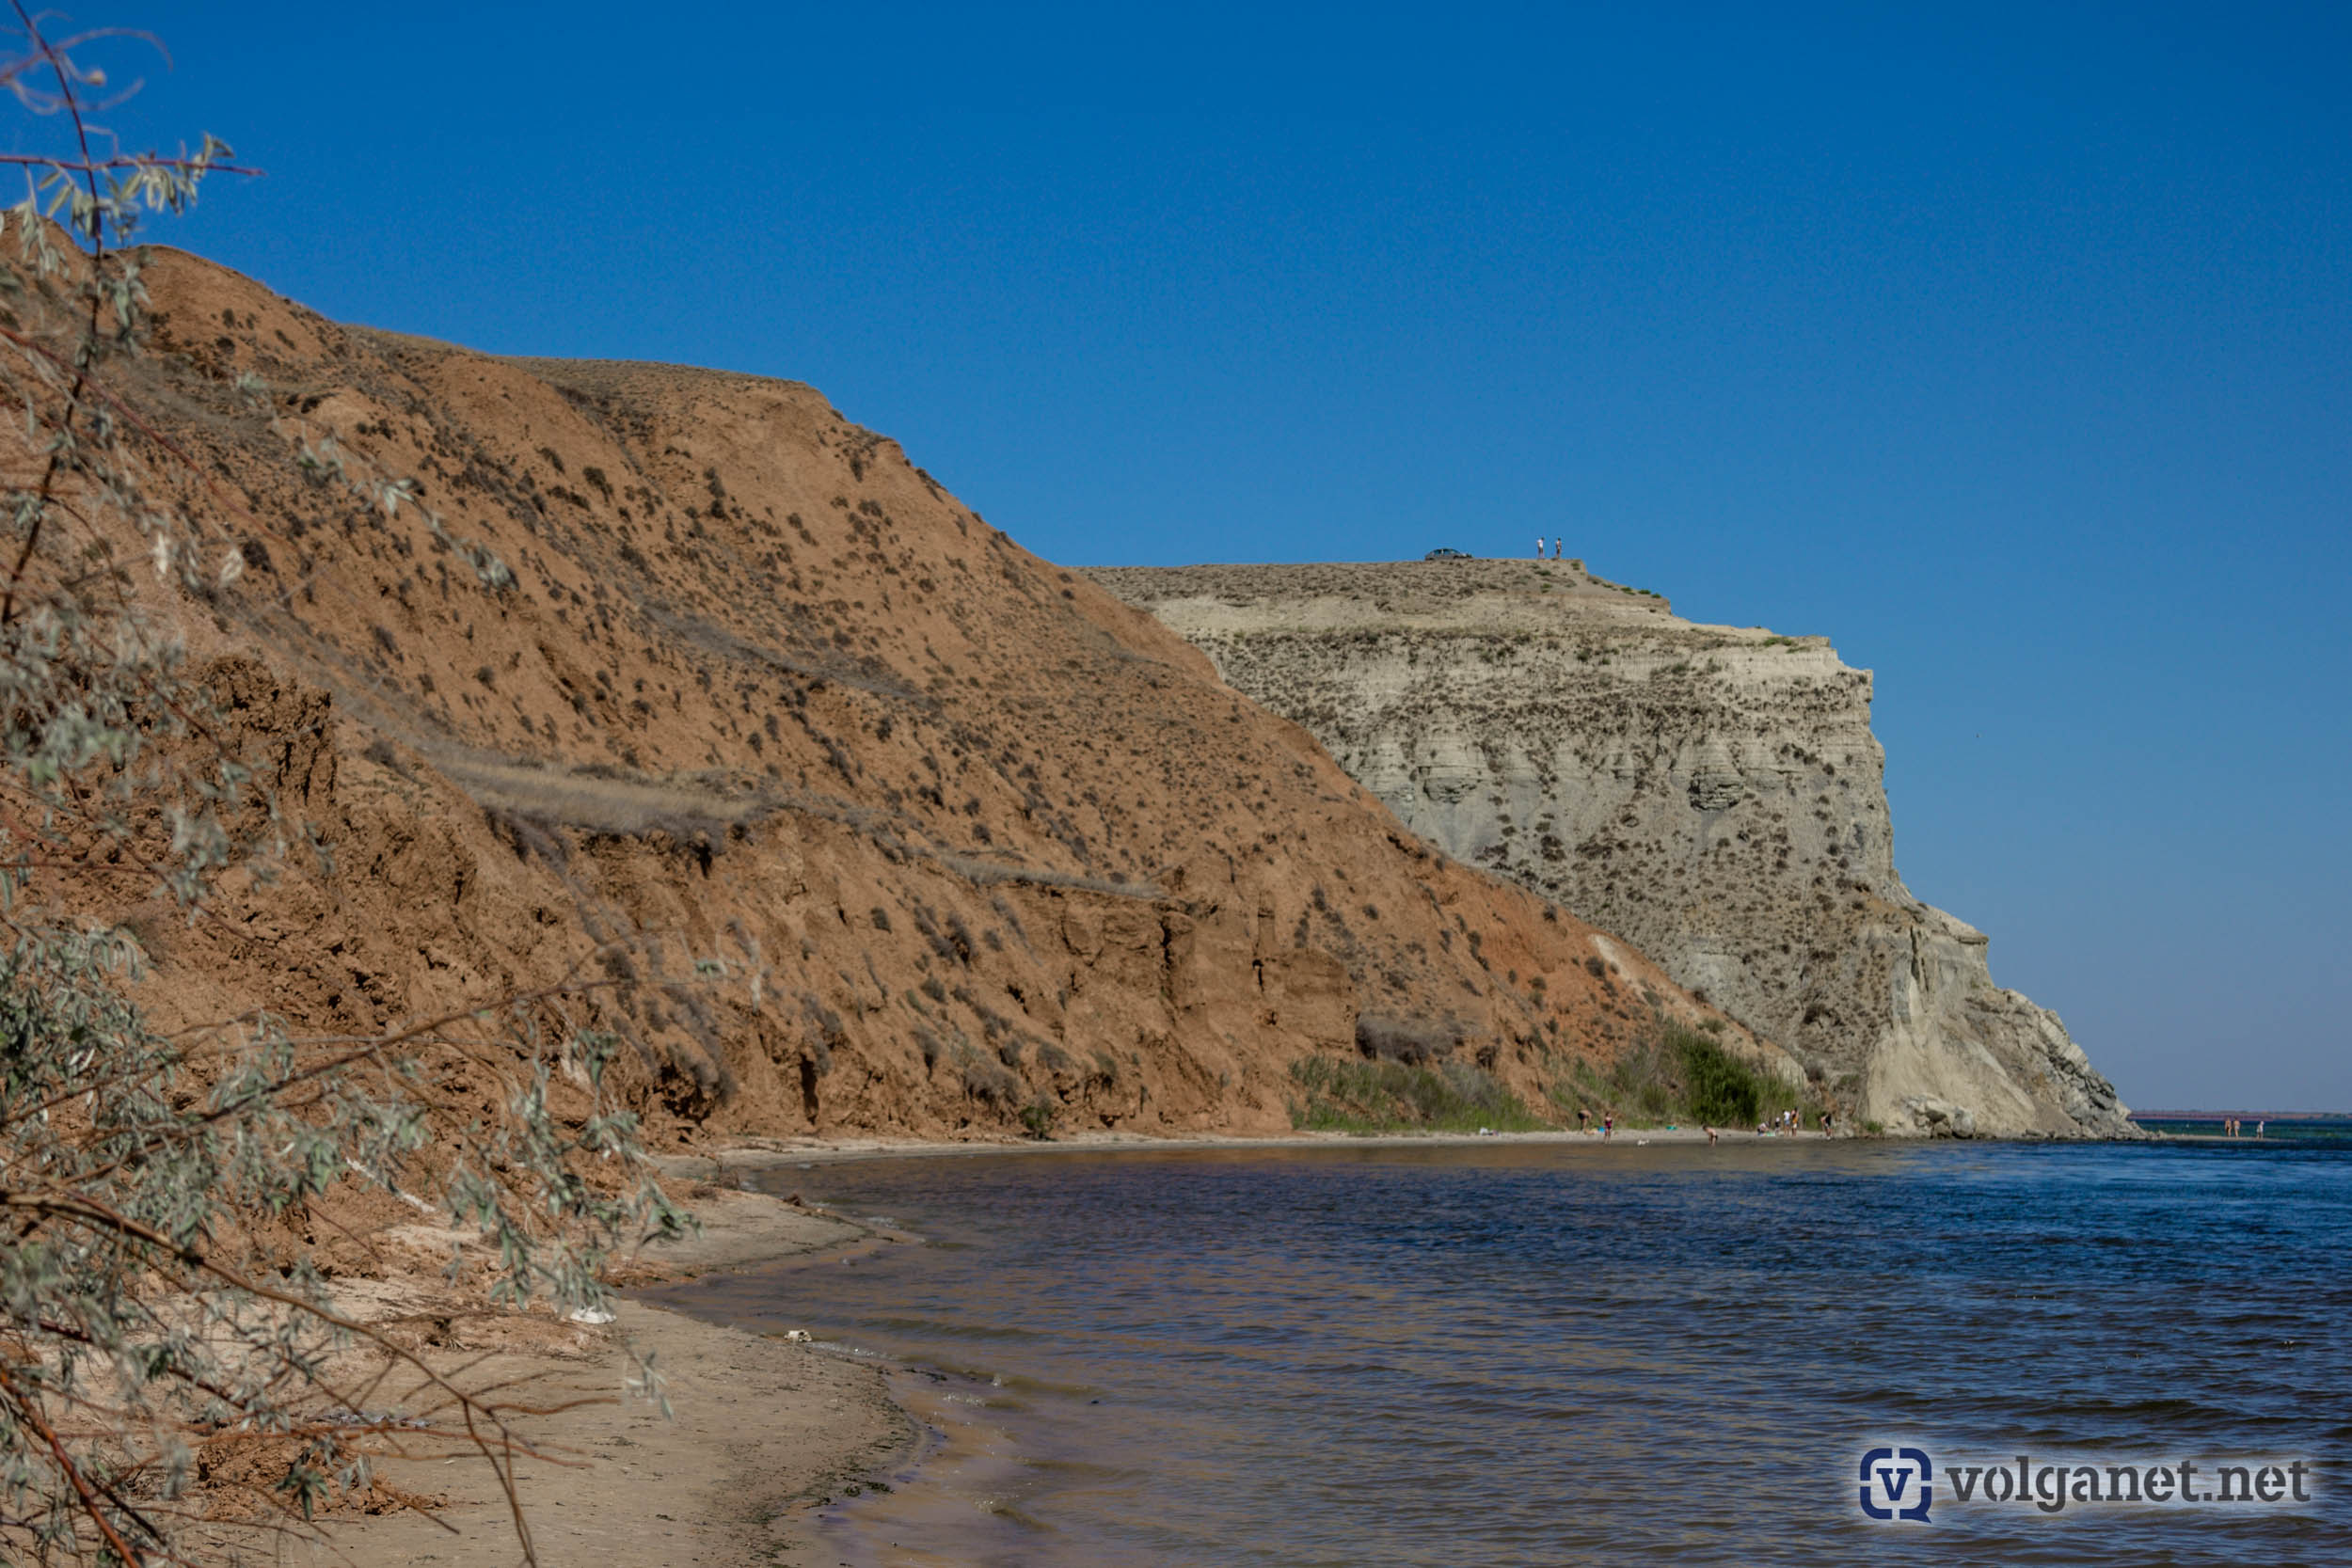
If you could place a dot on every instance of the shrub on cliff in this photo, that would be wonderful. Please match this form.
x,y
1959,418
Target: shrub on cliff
x,y
1678,1076
146,1315
1718,1088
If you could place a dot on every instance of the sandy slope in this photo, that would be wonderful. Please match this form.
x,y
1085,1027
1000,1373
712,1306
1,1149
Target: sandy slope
x,y
975,840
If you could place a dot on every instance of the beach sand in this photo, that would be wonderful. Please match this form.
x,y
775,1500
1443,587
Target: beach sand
x,y
761,1429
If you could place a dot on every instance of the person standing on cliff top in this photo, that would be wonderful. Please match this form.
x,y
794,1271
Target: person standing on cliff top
x,y
1555,549
1540,546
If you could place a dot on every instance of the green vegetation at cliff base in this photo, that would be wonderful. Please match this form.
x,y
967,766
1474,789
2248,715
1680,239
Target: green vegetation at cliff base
x,y
1680,1077
1337,1095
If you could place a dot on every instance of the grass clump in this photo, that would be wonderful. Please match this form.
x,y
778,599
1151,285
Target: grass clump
x,y
1391,1096
1037,1118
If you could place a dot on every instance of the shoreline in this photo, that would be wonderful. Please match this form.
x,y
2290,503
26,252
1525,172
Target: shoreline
x,y
766,1431
756,1153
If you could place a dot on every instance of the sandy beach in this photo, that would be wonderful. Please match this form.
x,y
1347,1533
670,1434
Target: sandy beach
x,y
760,1427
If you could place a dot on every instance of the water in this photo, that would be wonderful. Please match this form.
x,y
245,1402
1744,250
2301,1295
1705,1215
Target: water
x,y
1544,1354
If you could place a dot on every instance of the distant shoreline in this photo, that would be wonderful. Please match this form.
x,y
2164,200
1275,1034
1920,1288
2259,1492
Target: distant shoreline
x,y
2242,1116
2291,1129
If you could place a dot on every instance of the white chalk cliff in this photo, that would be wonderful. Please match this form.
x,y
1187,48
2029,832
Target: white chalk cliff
x,y
1713,794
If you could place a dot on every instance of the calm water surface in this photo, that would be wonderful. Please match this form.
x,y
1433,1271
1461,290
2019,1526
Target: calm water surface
x,y
1542,1354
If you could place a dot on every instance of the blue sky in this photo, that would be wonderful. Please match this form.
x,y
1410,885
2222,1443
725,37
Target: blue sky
x,y
2009,346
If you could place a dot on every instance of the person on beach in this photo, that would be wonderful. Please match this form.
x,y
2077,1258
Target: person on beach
x,y
1583,1119
1711,1135
1608,1124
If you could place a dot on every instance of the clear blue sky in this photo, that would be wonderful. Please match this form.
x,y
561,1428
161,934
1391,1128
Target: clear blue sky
x,y
2009,346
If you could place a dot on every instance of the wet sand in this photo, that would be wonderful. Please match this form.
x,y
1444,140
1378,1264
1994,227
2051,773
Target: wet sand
x,y
763,1430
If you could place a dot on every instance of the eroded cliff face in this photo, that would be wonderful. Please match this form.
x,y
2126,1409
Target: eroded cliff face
x,y
1712,793
973,848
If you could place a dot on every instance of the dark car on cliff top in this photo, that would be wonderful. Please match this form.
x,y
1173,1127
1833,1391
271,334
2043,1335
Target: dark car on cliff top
x,y
1449,555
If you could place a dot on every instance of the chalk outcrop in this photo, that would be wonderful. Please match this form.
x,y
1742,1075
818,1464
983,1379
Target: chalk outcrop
x,y
1713,794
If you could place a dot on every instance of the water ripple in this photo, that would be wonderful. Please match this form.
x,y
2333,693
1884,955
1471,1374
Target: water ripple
x,y
1532,1355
